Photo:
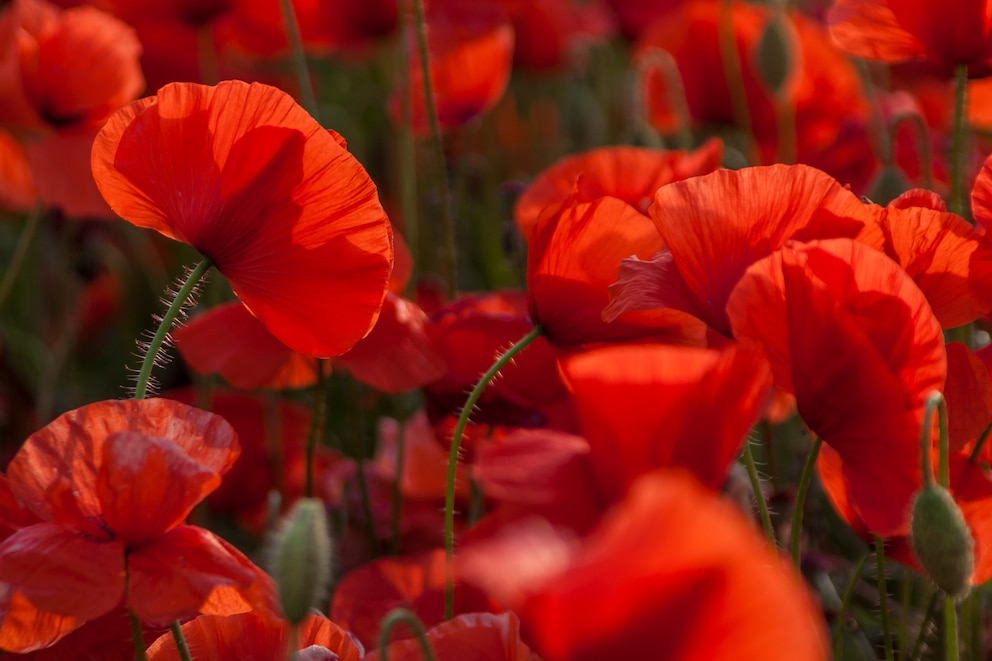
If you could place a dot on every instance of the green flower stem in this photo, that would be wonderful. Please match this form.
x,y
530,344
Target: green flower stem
x,y
959,145
759,496
935,401
299,58
456,441
950,629
447,221
735,77
181,646
800,504
979,444
407,174
185,292
321,394
931,611
845,602
883,599
20,252
136,636
396,616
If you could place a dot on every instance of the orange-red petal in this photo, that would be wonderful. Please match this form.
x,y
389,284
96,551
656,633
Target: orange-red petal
x,y
232,342
249,179
190,570
62,572
851,335
674,563
631,174
654,406
147,486
476,636
719,224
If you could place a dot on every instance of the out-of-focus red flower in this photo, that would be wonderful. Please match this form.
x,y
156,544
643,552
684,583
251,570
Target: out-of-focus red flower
x,y
397,355
179,36
62,73
944,36
632,174
476,636
552,34
425,458
469,334
252,636
471,54
17,190
638,15
249,179
644,407
572,260
230,341
536,473
113,482
825,90
672,563
716,225
850,334
366,595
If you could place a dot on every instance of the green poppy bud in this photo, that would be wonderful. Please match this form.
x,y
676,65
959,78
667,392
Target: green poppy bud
x,y
942,540
301,558
775,53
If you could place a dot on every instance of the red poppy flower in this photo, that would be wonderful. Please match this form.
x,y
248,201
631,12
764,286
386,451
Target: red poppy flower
x,y
251,636
850,334
653,406
113,482
249,179
824,89
17,191
716,225
476,636
942,253
397,355
945,35
471,53
553,34
632,174
572,260
366,595
672,569
469,334
62,73
970,485
230,341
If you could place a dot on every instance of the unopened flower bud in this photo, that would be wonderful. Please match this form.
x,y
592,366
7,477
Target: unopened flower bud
x,y
942,540
301,558
776,53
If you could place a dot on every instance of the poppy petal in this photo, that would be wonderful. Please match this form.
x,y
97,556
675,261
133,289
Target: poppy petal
x,y
148,485
573,257
25,628
717,225
59,571
232,342
190,570
652,406
854,338
478,636
249,179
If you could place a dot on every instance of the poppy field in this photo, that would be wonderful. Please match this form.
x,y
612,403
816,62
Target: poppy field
x,y
501,330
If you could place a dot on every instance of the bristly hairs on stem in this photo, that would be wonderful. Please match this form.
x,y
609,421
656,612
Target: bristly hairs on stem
x,y
173,317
